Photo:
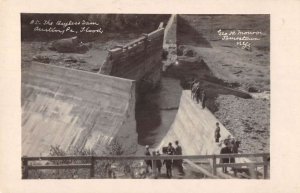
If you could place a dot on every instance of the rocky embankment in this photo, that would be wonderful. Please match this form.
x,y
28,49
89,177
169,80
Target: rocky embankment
x,y
227,65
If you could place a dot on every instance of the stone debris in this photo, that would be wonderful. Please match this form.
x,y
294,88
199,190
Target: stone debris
x,y
69,45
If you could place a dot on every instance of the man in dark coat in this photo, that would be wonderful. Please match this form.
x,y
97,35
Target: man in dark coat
x,y
192,84
203,99
148,162
170,149
234,149
178,163
217,132
158,163
225,150
169,162
198,94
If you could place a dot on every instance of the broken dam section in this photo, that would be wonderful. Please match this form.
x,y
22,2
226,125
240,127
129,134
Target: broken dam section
x,y
84,110
138,60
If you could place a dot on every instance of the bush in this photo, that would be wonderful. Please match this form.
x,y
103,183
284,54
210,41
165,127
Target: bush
x,y
103,168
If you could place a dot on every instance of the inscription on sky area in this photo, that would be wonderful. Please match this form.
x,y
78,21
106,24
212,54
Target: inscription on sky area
x,y
242,38
61,27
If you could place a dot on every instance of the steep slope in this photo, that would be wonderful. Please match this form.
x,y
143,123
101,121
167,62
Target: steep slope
x,y
72,108
194,127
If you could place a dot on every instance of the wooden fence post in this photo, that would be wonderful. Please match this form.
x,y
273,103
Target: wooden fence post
x,y
214,165
252,172
24,168
265,167
154,172
92,169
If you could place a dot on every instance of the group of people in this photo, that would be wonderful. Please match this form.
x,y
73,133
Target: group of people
x,y
231,146
169,163
197,93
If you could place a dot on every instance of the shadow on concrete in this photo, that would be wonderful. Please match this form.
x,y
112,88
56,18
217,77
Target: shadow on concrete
x,y
156,111
148,118
187,35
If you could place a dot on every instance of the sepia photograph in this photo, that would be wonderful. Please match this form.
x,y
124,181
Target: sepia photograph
x,y
145,96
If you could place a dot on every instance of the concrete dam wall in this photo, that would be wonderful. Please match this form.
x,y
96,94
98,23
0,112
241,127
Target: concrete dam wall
x,y
138,60
72,108
194,127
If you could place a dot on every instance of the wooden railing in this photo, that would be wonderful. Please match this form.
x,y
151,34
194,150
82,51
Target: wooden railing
x,y
91,160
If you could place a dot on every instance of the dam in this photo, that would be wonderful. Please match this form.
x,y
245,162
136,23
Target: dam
x,y
136,94
71,108
77,109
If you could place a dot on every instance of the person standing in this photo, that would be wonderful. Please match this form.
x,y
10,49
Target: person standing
x,y
198,94
225,150
194,90
217,132
148,162
158,163
170,149
203,99
234,150
168,163
192,86
154,166
178,163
